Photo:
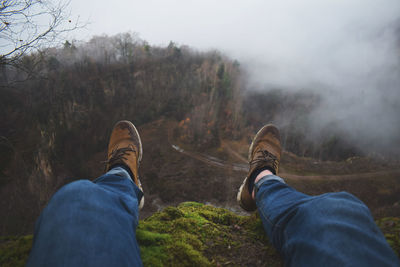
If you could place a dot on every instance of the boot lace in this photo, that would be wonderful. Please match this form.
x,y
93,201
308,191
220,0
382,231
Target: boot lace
x,y
119,154
265,157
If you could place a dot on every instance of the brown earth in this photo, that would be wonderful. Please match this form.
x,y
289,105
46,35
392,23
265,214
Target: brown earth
x,y
172,173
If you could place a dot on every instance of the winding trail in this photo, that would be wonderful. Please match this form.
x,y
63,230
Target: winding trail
x,y
243,167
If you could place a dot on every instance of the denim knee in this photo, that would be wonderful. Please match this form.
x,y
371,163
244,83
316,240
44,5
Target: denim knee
x,y
76,189
340,200
78,186
343,200
332,207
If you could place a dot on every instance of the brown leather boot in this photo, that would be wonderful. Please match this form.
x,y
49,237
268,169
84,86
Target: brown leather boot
x,y
125,148
264,153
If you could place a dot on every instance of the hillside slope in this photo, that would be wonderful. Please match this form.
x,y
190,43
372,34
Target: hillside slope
x,y
213,176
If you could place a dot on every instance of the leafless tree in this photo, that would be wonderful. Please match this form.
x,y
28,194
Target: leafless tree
x,y
29,25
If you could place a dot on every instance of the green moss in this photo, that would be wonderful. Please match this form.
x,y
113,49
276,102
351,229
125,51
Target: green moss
x,y
149,238
179,229
200,235
194,234
14,251
181,253
390,227
191,204
154,256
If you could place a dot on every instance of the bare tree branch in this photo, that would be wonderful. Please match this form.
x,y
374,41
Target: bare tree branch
x,y
27,25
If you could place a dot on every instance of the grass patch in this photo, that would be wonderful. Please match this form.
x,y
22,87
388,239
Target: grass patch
x,y
194,234
14,250
390,227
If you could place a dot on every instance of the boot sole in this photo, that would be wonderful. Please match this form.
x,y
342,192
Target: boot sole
x,y
239,195
141,204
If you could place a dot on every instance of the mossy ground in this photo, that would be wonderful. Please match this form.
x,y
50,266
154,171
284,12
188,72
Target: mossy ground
x,y
14,250
390,227
194,234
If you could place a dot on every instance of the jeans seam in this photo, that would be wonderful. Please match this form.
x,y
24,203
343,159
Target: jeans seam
x,y
267,218
262,209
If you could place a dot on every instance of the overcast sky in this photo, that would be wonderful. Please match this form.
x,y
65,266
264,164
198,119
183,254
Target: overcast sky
x,y
293,39
346,49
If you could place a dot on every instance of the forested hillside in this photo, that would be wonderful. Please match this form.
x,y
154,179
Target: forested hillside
x,y
55,126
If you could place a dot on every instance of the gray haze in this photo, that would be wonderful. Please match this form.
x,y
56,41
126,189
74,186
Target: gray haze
x,y
347,50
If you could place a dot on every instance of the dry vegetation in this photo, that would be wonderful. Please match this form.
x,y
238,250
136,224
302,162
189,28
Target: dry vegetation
x,y
54,129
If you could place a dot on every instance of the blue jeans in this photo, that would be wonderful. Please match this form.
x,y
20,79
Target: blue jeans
x,y
93,224
333,229
90,224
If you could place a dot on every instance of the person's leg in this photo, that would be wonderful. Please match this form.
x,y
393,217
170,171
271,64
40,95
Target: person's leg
x,y
90,224
94,223
334,229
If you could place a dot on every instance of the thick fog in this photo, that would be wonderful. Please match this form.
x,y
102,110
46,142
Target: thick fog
x,y
346,50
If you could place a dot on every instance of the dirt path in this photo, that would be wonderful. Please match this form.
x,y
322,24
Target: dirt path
x,y
174,173
242,167
234,153
213,161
